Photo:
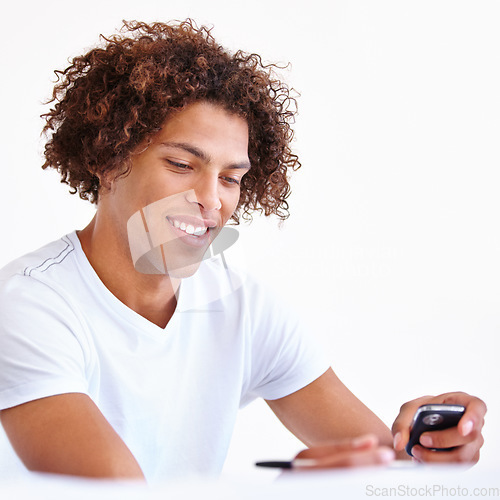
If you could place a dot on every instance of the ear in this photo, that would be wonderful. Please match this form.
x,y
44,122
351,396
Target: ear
x,y
100,179
105,181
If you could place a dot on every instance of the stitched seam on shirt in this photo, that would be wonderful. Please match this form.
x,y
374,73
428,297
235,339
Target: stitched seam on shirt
x,y
28,270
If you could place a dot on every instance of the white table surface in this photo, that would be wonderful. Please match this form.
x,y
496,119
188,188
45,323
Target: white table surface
x,y
396,481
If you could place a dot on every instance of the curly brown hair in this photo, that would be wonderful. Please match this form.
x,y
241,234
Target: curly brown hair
x,y
112,98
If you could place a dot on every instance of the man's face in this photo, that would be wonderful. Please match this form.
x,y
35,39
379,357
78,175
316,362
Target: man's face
x,y
182,189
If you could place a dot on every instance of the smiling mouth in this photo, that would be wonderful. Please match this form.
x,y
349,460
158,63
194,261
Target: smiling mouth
x,y
189,229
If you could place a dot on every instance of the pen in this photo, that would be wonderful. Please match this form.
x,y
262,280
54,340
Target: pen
x,y
288,464
278,464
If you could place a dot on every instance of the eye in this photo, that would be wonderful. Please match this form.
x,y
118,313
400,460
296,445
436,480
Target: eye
x,y
231,180
180,166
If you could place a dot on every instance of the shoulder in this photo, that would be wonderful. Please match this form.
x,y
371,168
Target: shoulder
x,y
37,314
37,277
40,261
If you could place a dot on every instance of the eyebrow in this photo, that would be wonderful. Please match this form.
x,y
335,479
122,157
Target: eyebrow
x,y
201,154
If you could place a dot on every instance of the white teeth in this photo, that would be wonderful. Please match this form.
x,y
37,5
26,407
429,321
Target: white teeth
x,y
189,228
200,230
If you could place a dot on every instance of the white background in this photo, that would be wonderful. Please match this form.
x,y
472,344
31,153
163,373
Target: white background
x,y
391,251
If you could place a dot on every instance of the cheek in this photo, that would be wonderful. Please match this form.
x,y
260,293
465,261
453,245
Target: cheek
x,y
229,204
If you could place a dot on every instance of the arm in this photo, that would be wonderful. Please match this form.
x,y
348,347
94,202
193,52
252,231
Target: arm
x,y
326,410
67,434
329,419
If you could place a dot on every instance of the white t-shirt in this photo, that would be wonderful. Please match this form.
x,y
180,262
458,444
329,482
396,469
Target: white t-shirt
x,y
172,394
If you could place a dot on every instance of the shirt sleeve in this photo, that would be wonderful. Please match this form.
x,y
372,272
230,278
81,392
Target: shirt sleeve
x,y
41,348
285,355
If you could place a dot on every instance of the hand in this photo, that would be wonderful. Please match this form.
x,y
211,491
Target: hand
x,y
355,452
465,438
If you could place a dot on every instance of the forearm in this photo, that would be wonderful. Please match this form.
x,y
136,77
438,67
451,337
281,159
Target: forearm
x,y
67,434
326,411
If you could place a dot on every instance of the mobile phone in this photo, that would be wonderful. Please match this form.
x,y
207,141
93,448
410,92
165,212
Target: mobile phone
x,y
435,417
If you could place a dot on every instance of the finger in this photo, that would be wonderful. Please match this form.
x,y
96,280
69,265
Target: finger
x,y
349,458
368,441
402,424
448,438
473,418
468,453
475,409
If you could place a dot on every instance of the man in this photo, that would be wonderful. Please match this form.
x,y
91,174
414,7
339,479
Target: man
x,y
123,352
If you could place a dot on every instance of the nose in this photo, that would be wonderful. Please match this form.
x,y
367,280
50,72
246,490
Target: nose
x,y
206,193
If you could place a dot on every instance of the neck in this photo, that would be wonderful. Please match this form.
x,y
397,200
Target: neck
x,y
150,295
